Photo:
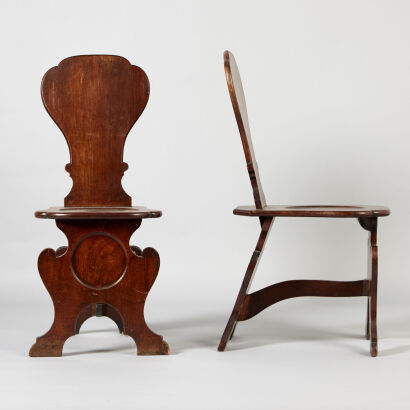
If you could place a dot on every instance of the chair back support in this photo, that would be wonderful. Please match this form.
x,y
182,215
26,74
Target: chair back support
x,y
237,95
95,100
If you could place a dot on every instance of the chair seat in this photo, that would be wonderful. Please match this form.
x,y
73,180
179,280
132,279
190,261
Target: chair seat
x,y
317,211
98,212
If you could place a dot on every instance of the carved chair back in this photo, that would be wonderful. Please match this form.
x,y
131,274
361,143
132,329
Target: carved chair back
x,y
95,100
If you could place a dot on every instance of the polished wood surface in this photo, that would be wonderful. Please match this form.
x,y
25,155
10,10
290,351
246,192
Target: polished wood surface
x,y
257,301
249,305
95,100
370,225
246,283
114,212
317,211
234,82
76,289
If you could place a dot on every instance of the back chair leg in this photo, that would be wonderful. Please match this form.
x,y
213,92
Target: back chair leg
x,y
373,293
231,325
370,224
368,318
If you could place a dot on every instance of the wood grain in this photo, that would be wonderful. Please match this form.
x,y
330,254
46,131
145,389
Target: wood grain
x,y
315,211
257,301
234,82
249,305
71,298
95,100
113,212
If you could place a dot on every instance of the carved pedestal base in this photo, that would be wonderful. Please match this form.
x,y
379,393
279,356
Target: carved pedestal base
x,y
98,274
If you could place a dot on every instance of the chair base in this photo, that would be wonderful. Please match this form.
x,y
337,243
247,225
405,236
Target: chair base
x,y
98,274
249,305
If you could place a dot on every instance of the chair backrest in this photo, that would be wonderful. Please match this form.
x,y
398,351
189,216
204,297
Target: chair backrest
x,y
95,100
235,88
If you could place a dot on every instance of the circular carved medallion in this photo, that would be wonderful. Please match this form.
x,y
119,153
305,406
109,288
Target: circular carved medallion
x,y
98,261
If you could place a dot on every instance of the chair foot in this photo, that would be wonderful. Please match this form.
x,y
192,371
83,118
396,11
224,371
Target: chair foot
x,y
51,344
159,347
147,342
373,348
45,348
221,346
228,332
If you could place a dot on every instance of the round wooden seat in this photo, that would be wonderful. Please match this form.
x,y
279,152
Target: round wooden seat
x,y
317,211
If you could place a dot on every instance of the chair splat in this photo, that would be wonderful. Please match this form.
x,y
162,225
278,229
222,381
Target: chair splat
x,y
237,95
95,100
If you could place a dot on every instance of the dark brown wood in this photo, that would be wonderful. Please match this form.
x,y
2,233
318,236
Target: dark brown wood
x,y
317,211
82,212
106,310
73,289
247,280
249,305
95,100
257,301
233,79
370,225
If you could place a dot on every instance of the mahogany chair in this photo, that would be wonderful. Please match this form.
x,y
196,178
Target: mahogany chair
x,y
249,305
95,100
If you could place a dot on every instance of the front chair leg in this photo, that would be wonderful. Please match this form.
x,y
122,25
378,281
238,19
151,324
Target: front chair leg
x,y
370,224
247,280
233,331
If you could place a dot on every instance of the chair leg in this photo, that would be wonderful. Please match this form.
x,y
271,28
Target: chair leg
x,y
148,342
51,344
368,318
370,224
373,299
230,327
233,331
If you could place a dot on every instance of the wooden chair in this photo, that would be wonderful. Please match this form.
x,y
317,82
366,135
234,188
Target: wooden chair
x,y
95,100
249,305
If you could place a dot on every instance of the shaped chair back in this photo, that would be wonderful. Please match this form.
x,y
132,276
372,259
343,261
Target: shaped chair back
x,y
237,95
95,100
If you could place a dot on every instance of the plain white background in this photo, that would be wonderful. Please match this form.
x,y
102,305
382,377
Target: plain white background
x,y
328,93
